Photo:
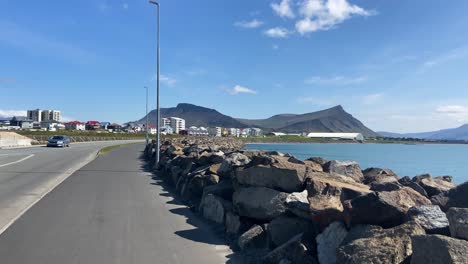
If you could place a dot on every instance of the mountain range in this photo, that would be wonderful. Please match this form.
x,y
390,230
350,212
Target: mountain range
x,y
334,119
458,133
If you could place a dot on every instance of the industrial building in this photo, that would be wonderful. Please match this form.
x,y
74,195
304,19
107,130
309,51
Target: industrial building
x,y
348,136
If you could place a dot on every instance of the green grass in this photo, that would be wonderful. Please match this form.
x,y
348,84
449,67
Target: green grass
x,y
106,150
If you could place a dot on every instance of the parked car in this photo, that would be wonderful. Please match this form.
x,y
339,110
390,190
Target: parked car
x,y
58,141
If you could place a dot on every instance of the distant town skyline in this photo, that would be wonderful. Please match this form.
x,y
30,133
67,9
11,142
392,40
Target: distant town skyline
x,y
397,66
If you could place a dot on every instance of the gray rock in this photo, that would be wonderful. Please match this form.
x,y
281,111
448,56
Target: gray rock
x,y
214,208
259,202
283,228
384,246
360,231
386,209
346,168
328,241
298,204
318,160
455,197
223,189
293,251
282,175
406,181
433,186
458,218
431,218
378,175
232,161
437,249
235,224
385,186
254,238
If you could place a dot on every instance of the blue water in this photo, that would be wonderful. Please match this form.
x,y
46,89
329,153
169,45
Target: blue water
x,y
405,160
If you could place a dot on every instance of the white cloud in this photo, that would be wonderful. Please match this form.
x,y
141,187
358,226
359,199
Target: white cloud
x,y
372,98
283,9
335,80
452,55
170,81
10,113
240,89
457,112
277,32
255,23
325,14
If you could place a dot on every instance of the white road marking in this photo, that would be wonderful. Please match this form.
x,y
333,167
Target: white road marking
x,y
18,161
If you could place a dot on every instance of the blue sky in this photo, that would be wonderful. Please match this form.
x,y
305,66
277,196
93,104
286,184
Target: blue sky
x,y
396,65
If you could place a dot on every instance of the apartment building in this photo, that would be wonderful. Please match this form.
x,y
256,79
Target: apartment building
x,y
38,115
177,124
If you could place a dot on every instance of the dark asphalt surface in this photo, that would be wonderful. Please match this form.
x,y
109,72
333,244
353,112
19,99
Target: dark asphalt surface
x,y
111,211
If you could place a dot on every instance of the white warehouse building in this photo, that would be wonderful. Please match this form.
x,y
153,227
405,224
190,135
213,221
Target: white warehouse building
x,y
350,136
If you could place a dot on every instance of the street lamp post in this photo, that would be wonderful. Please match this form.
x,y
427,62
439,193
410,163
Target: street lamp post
x,y
158,111
146,126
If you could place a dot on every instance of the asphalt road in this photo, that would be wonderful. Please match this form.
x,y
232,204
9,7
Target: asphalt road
x,y
27,174
111,211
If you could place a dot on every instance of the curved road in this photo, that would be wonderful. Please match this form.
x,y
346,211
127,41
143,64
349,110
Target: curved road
x,y
112,211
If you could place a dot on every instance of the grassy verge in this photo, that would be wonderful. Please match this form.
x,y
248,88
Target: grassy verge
x,y
106,150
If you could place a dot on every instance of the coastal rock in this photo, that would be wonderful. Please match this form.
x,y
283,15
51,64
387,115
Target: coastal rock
x,y
431,218
281,175
283,228
214,208
235,224
318,160
298,204
433,186
458,218
328,241
378,175
232,161
259,202
326,194
313,166
439,249
446,178
293,251
346,168
385,186
386,209
384,246
406,181
360,231
254,238
455,197
224,189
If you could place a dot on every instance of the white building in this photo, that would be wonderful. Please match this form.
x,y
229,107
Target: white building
x,y
349,136
50,115
197,131
35,115
215,131
234,132
166,121
177,124
75,125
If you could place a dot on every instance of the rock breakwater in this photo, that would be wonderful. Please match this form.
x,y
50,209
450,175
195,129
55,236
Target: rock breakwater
x,y
285,210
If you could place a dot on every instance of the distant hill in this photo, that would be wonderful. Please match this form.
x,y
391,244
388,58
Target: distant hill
x,y
334,119
194,116
459,133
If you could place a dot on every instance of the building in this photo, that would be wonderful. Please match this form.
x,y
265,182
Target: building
x,y
215,131
104,125
93,125
50,125
165,122
114,127
197,131
346,136
75,125
22,122
152,130
234,132
167,130
177,124
38,115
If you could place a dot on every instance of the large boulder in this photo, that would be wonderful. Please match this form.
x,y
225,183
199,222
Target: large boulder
x,y
281,175
326,194
328,241
346,168
386,209
283,228
254,238
313,166
437,249
231,162
406,181
458,218
214,208
384,246
433,186
431,218
223,189
235,224
378,175
455,197
259,202
292,252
